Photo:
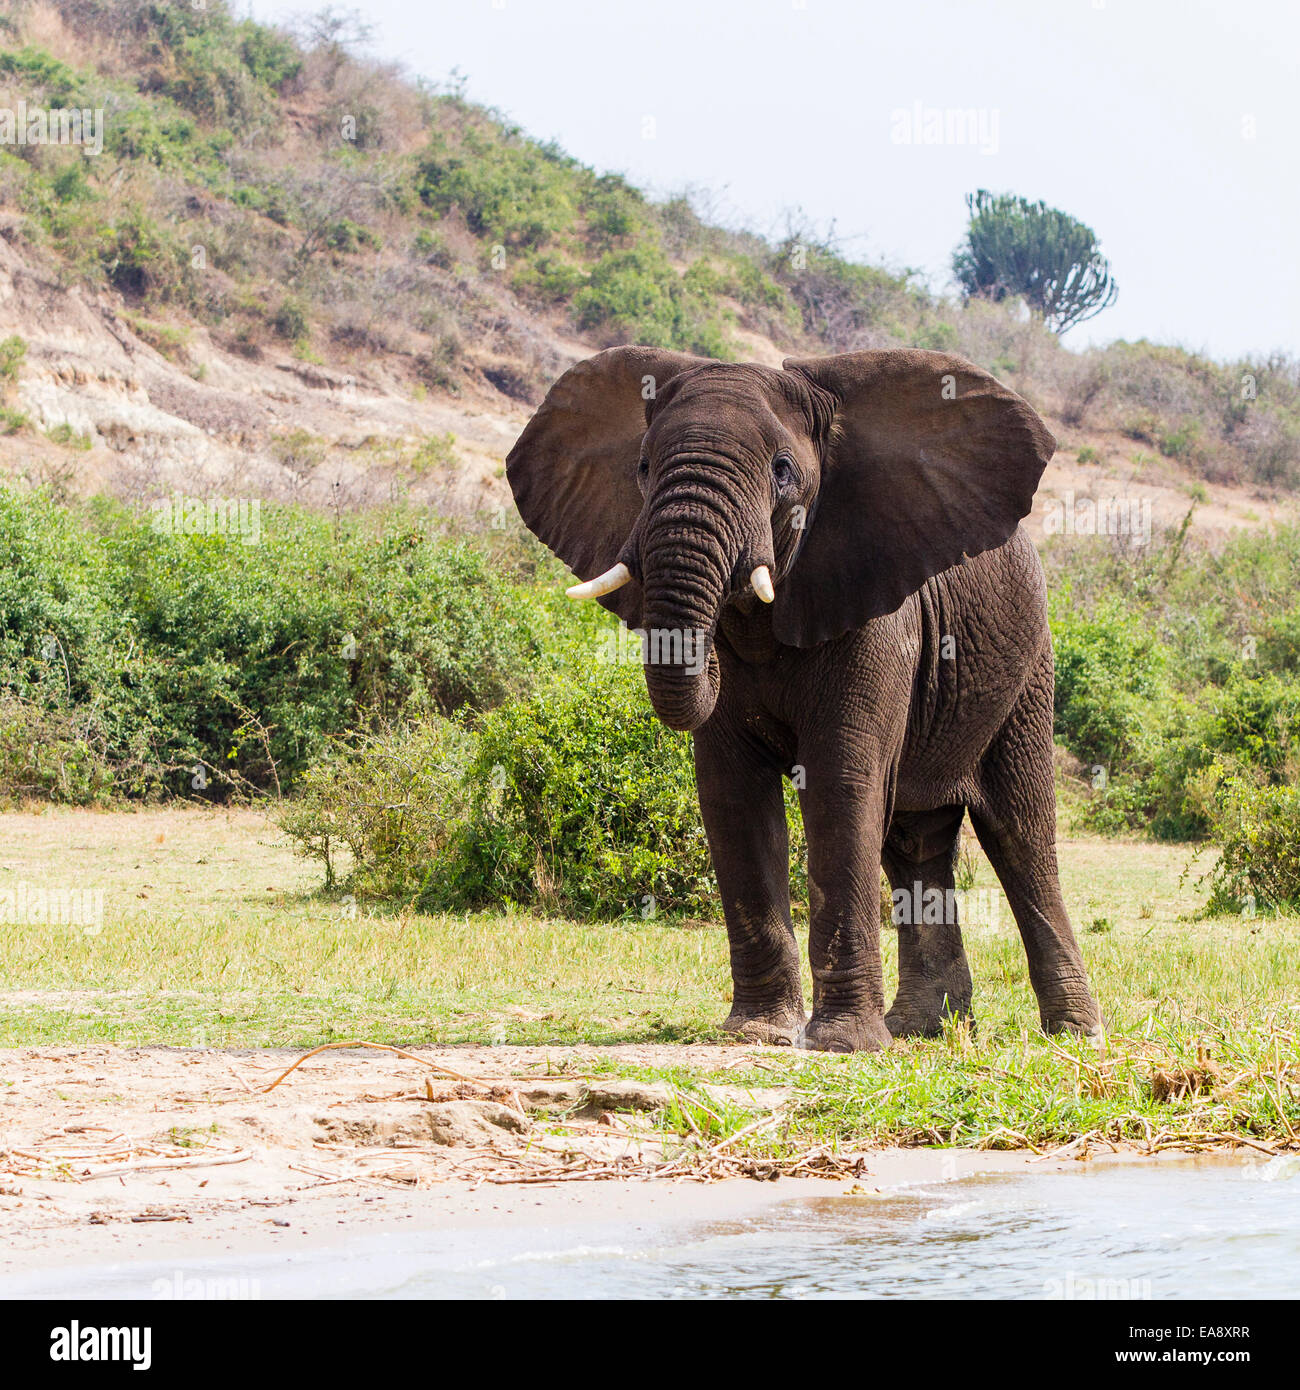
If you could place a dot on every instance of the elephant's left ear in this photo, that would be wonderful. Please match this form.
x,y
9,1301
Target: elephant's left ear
x,y
929,460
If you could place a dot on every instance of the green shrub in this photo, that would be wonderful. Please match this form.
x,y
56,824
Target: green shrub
x,y
393,802
1255,720
1279,646
272,58
51,755
507,188
291,320
631,292
1257,831
637,296
437,451
304,636
580,800
201,648
13,352
173,343
432,247
1109,667
142,259
37,68
939,337
548,278
574,799
65,435
1172,659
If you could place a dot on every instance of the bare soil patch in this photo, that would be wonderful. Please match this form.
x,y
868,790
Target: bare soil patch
x,y
109,1153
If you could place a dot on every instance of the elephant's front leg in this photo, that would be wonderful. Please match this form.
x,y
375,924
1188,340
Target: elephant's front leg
x,y
744,818
843,820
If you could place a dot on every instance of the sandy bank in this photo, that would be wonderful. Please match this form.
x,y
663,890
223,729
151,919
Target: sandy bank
x,y
174,1155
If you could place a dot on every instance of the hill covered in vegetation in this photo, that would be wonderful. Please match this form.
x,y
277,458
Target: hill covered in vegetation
x,y
404,265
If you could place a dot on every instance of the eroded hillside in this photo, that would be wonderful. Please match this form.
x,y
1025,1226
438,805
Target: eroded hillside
x,y
295,273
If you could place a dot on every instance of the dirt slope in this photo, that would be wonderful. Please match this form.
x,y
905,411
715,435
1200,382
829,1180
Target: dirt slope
x,y
206,421
218,423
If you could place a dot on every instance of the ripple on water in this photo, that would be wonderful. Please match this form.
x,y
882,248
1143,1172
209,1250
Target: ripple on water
x,y
1201,1228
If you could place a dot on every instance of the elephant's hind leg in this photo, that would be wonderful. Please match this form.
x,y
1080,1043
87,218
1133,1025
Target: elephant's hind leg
x,y
1014,816
920,857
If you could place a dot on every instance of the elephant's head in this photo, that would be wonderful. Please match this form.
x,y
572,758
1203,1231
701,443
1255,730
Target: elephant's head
x,y
831,489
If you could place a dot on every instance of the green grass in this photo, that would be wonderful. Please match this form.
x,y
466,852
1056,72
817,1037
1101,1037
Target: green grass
x,y
214,935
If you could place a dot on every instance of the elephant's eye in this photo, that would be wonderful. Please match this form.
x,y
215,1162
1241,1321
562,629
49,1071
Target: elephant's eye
x,y
783,470
643,467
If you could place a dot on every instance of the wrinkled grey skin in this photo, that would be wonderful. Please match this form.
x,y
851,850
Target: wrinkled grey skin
x,y
903,674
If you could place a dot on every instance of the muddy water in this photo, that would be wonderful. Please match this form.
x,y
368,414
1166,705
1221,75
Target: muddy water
x,y
1200,1228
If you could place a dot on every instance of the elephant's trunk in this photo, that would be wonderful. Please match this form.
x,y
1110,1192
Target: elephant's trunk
x,y
688,551
683,695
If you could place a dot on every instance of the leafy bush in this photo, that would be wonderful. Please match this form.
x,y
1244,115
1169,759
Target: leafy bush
x,y
142,259
393,802
56,80
178,649
637,296
1172,660
51,755
507,188
579,799
1109,668
844,305
290,320
13,352
272,58
1257,830
1255,720
571,799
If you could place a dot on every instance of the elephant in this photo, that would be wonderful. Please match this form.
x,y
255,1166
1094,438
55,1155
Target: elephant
x,y
826,565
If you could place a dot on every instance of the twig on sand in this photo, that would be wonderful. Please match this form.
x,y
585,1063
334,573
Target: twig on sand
x,y
378,1047
327,1180
238,1078
239,1156
1002,1132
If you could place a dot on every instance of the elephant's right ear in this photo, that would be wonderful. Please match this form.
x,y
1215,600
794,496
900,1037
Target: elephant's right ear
x,y
573,470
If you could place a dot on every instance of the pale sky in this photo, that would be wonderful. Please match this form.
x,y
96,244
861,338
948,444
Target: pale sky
x,y
1171,127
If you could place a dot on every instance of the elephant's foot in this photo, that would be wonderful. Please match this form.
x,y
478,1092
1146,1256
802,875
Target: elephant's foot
x,y
915,1020
922,1012
1078,1015
846,1033
780,1025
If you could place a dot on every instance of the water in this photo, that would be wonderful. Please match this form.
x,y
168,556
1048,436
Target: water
x,y
1201,1228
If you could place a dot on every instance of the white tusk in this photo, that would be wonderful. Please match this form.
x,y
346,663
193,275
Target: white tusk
x,y
761,580
602,584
